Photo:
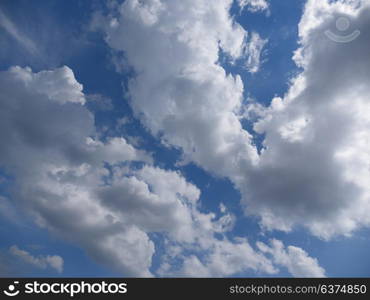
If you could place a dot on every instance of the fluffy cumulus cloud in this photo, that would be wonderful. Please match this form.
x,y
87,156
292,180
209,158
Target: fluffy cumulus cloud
x,y
52,151
12,30
314,168
42,261
254,5
295,259
180,92
87,190
108,197
254,50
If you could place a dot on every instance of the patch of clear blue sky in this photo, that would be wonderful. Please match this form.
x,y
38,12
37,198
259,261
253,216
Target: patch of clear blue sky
x,y
59,28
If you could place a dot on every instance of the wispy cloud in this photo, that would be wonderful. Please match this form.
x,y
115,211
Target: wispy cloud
x,y
12,30
41,262
254,5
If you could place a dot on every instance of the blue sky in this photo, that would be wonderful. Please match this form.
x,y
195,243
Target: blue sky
x,y
306,230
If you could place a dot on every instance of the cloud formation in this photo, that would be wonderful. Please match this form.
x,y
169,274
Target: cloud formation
x,y
87,191
58,165
254,5
42,262
108,197
14,32
254,51
191,103
314,168
295,259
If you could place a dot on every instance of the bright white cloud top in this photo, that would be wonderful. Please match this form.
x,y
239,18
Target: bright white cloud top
x,y
316,163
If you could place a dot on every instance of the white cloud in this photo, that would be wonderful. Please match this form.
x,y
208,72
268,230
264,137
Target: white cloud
x,y
154,200
191,103
254,5
7,210
57,166
100,102
223,258
295,259
254,51
314,169
59,85
162,201
62,180
184,96
42,261
12,30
